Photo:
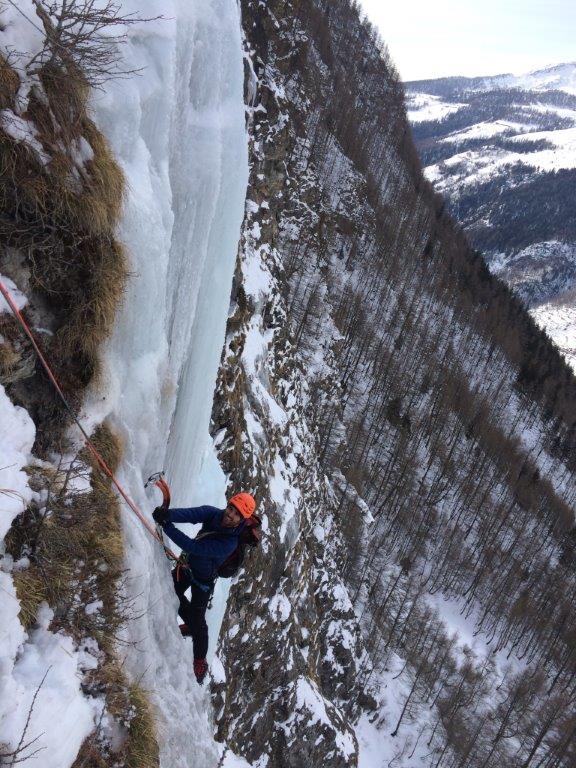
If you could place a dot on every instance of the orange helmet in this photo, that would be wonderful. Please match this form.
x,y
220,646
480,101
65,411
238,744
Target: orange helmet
x,y
244,503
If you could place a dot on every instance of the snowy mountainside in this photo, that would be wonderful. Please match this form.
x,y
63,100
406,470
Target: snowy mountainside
x,y
290,636
503,152
386,363
559,77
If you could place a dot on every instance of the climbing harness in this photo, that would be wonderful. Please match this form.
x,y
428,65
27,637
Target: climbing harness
x,y
92,448
181,565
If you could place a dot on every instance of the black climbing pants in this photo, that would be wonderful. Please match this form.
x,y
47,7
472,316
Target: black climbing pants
x,y
193,611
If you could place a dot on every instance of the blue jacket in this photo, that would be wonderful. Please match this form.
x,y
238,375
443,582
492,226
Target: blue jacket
x,y
207,554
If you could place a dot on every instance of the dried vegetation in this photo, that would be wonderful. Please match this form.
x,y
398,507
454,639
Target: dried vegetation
x,y
73,543
61,195
61,199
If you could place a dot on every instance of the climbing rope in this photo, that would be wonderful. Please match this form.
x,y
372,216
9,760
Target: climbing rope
x,y
93,450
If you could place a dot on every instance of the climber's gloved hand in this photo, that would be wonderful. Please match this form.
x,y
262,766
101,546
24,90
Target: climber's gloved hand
x,y
160,515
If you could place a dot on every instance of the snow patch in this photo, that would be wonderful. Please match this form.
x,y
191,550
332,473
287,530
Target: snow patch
x,y
423,107
16,295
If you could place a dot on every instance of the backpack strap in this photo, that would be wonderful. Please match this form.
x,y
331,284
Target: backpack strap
x,y
203,535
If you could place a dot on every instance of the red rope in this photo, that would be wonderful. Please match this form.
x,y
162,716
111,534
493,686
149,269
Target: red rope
x,y
94,451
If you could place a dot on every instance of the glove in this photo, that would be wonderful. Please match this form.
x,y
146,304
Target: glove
x,y
160,515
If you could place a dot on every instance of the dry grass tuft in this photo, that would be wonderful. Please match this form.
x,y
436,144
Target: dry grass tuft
x,y
109,445
97,304
91,190
106,186
31,592
134,713
76,550
17,358
67,92
117,692
9,84
9,359
91,754
142,746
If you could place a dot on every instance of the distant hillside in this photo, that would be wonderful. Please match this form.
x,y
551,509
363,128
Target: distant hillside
x,y
561,77
503,151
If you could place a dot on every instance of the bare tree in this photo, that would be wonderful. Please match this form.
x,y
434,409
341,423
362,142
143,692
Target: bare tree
x,y
84,36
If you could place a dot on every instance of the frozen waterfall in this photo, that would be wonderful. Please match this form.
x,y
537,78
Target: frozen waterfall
x,y
177,129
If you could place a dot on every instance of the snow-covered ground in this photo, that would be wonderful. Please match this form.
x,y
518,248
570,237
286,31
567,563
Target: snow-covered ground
x,y
471,167
474,166
43,712
485,130
423,106
558,318
44,716
561,77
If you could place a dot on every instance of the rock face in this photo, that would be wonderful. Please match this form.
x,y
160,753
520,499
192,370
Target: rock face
x,y
376,389
502,150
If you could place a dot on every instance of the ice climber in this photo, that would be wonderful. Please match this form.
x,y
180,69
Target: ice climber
x,y
201,560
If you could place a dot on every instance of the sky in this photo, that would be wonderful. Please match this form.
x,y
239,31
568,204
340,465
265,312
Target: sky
x,y
474,37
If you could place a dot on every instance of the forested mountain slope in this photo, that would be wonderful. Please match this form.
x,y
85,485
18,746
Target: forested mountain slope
x,y
369,345
503,151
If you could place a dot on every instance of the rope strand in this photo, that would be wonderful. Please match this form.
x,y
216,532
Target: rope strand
x,y
93,450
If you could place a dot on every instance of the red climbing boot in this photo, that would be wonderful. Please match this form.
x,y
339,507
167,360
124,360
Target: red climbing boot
x,y
185,630
200,669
